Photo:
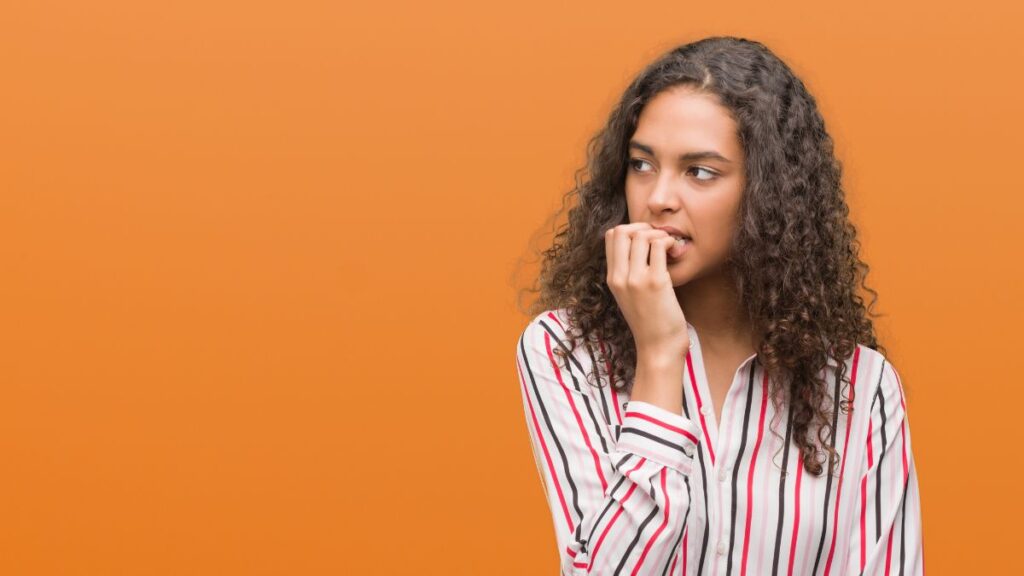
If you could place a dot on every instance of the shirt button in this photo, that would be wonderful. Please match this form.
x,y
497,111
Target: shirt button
x,y
722,549
721,475
705,409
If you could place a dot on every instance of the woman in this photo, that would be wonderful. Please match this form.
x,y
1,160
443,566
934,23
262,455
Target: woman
x,y
703,387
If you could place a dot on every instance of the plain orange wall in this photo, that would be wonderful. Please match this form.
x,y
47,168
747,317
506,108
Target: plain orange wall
x,y
257,308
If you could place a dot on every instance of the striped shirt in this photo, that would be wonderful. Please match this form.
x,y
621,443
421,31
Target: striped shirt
x,y
637,489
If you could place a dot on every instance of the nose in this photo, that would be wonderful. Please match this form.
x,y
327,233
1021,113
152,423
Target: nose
x,y
666,195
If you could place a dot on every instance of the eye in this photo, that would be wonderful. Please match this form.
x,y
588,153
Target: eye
x,y
633,164
712,177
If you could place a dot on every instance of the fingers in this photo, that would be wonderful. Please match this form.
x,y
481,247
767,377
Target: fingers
x,y
640,248
617,246
659,254
628,247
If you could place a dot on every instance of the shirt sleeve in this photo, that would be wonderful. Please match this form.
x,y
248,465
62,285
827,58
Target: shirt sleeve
x,y
888,539
618,504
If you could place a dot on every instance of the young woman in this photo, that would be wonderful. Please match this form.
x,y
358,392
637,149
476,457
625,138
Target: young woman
x,y
702,384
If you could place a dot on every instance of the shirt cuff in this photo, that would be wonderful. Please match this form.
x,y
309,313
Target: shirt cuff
x,y
657,434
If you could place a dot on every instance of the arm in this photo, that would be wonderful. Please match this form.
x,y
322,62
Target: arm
x,y
615,510
887,537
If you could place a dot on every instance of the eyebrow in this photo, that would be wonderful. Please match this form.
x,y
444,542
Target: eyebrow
x,y
698,155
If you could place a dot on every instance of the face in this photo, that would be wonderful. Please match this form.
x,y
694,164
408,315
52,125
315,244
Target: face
x,y
686,170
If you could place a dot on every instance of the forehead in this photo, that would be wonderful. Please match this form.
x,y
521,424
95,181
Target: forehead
x,y
679,119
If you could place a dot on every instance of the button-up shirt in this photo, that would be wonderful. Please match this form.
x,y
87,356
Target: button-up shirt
x,y
637,489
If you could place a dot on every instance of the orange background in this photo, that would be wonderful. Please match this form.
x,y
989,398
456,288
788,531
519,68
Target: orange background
x,y
257,304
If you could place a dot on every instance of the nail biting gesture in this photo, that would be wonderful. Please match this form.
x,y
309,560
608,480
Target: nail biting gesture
x,y
638,277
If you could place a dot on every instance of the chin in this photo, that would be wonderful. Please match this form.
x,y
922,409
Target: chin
x,y
678,277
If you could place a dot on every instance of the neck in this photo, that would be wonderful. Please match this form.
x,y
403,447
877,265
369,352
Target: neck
x,y
713,306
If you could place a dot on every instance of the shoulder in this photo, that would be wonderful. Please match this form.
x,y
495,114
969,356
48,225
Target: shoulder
x,y
548,324
878,382
557,318
546,332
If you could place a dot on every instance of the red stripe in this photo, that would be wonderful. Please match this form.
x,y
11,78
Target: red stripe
x,y
796,518
903,431
557,321
547,456
864,502
903,428
888,546
842,467
671,569
920,536
750,474
664,522
616,516
693,384
611,383
576,413
888,552
665,425
906,472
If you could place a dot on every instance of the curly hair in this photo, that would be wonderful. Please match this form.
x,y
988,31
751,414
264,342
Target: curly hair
x,y
794,256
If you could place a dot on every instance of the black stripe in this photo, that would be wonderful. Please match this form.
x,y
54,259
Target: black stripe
x,y
551,429
704,490
597,371
675,549
828,482
903,523
703,485
611,499
668,561
636,538
736,468
657,439
562,345
576,384
782,494
586,402
881,454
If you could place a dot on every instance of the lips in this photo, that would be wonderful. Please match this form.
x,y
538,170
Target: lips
x,y
674,232
680,246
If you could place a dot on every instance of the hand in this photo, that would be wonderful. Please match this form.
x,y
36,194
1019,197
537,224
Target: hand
x,y
644,290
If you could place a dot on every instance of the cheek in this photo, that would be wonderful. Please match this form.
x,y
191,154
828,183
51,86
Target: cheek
x,y
716,232
635,206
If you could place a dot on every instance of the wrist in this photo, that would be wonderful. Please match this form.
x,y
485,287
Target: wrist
x,y
658,380
662,356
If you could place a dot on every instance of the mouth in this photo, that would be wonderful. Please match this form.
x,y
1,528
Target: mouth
x,y
681,238
681,247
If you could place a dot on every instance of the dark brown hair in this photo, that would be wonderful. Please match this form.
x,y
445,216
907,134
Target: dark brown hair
x,y
795,253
